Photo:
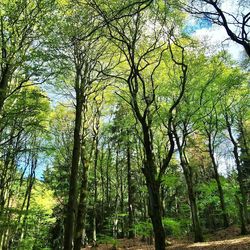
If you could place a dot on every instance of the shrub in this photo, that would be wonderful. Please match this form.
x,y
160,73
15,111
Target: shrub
x,y
106,239
143,229
172,227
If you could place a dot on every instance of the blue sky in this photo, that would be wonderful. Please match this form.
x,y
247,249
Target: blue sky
x,y
196,24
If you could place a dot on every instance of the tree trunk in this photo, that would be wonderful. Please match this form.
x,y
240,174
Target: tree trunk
x,y
121,203
73,182
221,196
154,210
95,191
187,170
130,196
153,186
155,215
81,213
239,170
241,184
242,219
198,236
217,179
3,85
117,195
102,184
107,177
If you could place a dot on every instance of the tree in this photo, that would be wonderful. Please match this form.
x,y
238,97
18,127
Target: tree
x,y
22,138
22,25
82,59
236,23
127,35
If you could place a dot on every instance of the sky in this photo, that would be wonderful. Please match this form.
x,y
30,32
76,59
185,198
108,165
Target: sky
x,y
217,39
216,36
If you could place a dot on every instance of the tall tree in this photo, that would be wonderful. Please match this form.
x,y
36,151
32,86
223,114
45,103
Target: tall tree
x,y
127,35
22,24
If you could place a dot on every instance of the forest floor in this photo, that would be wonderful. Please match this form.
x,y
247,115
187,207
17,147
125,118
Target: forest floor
x,y
222,239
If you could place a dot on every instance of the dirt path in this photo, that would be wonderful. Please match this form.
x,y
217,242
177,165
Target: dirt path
x,y
232,244
238,243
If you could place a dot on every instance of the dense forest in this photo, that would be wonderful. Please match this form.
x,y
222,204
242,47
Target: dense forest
x,y
117,122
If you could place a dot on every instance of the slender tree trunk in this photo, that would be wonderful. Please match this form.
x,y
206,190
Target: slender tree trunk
x,y
121,202
95,190
4,78
198,236
24,224
130,196
82,207
241,214
107,177
8,216
219,186
102,184
117,196
239,171
221,196
73,181
241,184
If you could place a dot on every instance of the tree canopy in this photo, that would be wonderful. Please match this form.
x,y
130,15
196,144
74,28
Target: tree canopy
x,y
117,122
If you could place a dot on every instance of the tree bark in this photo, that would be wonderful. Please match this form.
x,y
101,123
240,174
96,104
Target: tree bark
x,y
107,176
242,219
81,213
198,236
153,186
73,182
219,186
239,171
3,85
130,196
154,210
95,190
121,203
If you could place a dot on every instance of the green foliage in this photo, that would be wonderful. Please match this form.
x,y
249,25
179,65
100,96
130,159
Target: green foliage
x,y
209,194
105,239
121,42
143,229
26,244
172,227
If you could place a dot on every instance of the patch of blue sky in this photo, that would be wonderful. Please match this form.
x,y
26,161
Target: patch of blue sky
x,y
196,24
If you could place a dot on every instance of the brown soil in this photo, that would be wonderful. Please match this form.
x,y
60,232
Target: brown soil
x,y
220,240
233,244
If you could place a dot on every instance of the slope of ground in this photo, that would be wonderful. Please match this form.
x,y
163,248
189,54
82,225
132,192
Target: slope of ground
x,y
232,244
223,239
